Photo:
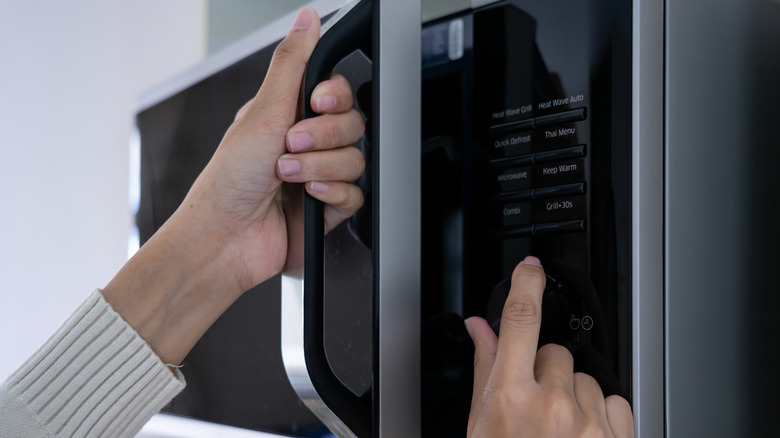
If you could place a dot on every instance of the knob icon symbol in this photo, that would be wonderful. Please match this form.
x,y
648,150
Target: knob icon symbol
x,y
587,322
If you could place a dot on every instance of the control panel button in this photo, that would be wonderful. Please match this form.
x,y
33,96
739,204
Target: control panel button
x,y
522,125
513,144
559,227
559,154
521,195
559,209
521,231
514,214
548,228
574,115
514,179
556,191
522,160
559,173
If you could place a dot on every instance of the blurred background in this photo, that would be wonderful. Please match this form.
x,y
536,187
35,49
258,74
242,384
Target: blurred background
x,y
70,74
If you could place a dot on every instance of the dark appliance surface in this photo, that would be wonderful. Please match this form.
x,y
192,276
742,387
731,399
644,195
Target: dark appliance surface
x,y
526,151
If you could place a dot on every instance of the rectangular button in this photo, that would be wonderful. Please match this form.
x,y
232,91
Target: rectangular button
x,y
559,227
557,191
522,125
515,214
559,209
516,178
558,173
511,145
574,115
521,195
560,154
523,160
522,231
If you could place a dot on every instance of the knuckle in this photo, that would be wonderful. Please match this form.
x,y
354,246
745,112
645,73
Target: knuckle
x,y
312,166
617,403
586,381
357,124
353,198
502,400
339,80
340,85
285,50
332,129
559,405
357,162
478,360
556,352
590,428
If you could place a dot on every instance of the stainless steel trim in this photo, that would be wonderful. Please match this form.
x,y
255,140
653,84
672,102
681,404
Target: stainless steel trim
x,y
230,55
398,188
294,357
479,3
134,192
174,426
338,16
721,245
648,218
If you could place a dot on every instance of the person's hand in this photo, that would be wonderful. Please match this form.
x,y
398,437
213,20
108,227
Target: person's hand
x,y
522,392
229,234
237,194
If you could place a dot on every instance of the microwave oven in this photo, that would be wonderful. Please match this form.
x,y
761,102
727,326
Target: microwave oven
x,y
494,131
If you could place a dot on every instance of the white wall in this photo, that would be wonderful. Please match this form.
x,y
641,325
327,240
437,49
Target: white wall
x,y
229,20
69,74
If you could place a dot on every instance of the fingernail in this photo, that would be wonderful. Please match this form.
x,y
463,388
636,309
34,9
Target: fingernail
x,y
531,260
318,187
326,103
289,167
469,328
303,19
299,141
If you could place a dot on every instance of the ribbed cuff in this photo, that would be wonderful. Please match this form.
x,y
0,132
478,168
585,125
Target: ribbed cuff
x,y
95,377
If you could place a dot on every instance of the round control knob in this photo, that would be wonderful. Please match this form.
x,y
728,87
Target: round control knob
x,y
551,302
496,303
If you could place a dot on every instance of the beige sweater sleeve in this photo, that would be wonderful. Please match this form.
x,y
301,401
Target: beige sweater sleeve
x,y
94,377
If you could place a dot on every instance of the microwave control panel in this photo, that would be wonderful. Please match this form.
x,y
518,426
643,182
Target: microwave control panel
x,y
526,144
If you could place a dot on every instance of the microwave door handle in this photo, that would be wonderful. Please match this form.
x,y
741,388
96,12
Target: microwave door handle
x,y
303,346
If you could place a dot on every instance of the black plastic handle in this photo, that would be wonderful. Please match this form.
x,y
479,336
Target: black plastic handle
x,y
352,32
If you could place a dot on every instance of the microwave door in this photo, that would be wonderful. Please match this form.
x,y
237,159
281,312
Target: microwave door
x,y
367,268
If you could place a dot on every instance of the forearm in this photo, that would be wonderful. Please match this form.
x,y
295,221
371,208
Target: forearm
x,y
176,286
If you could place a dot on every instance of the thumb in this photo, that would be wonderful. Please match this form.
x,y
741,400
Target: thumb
x,y
279,93
485,347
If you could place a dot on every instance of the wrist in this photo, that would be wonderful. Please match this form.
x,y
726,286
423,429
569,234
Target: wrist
x,y
176,286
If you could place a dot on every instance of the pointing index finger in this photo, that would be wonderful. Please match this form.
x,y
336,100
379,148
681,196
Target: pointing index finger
x,y
520,323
